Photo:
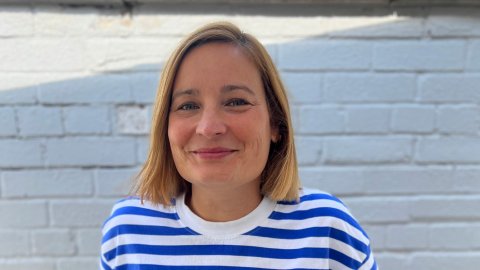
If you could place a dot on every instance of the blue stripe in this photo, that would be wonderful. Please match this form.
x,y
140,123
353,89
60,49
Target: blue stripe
x,y
140,211
145,230
310,232
104,265
203,267
312,197
232,250
134,210
317,212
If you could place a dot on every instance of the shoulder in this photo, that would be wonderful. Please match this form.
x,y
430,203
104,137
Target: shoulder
x,y
322,206
134,211
321,211
313,198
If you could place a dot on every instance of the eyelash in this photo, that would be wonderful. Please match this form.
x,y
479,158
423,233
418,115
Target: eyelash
x,y
230,103
183,107
237,100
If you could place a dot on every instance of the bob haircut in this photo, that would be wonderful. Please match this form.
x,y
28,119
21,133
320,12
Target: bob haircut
x,y
159,181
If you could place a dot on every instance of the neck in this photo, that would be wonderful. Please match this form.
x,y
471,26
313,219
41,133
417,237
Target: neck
x,y
224,205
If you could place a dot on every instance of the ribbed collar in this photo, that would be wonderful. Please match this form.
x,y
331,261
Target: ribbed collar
x,y
224,230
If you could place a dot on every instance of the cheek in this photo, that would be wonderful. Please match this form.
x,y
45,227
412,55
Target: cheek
x,y
256,137
176,134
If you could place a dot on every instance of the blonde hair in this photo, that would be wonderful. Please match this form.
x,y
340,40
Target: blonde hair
x,y
159,181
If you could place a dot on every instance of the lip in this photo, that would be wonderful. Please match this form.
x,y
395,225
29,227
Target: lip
x,y
213,153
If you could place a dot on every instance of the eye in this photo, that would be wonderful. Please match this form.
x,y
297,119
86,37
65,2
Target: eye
x,y
187,107
236,102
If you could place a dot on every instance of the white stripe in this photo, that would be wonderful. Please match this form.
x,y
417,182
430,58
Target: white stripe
x,y
368,264
308,205
146,204
235,261
140,220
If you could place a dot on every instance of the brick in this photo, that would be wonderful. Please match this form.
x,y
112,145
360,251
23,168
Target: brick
x,y
325,54
368,120
454,237
17,89
142,149
132,120
261,26
413,119
144,87
444,261
377,235
466,180
47,183
449,88
16,21
149,20
77,263
375,26
340,182
379,210
23,214
408,180
368,150
445,208
89,241
112,22
454,150
116,182
450,22
419,55
79,214
295,117
40,121
361,87
61,21
321,120
110,88
53,242
8,126
458,120
309,150
392,261
14,243
473,56
87,120
271,45
90,151
49,55
28,264
303,88
134,55
407,237
20,153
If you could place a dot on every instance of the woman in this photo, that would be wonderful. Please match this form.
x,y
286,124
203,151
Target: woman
x,y
220,187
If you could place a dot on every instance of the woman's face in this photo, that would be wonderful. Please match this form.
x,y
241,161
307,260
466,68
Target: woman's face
x,y
219,126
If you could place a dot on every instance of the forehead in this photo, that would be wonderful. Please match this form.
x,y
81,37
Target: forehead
x,y
216,63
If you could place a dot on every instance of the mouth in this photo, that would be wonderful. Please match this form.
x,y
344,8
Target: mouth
x,y
213,153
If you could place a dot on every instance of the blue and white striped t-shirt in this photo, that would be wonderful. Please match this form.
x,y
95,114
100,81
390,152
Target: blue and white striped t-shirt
x,y
316,233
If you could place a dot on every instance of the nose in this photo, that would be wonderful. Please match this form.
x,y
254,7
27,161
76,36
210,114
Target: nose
x,y
211,124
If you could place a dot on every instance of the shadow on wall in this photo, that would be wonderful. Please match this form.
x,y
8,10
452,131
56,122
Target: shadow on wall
x,y
52,118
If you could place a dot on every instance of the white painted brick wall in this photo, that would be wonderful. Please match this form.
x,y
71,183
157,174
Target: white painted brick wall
x,y
385,103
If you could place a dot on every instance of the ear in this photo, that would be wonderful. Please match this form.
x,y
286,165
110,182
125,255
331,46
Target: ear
x,y
275,135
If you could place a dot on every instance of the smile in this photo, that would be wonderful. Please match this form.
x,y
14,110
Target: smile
x,y
213,153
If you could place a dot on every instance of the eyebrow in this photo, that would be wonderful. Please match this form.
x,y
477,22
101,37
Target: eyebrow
x,y
225,89
187,92
233,87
